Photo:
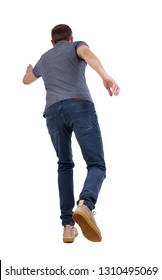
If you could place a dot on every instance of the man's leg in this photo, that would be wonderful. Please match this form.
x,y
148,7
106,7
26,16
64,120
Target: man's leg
x,y
87,131
60,135
88,135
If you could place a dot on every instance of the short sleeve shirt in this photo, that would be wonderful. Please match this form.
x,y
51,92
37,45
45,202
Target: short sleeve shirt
x,y
63,73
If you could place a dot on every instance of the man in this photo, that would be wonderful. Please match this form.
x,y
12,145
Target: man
x,y
70,108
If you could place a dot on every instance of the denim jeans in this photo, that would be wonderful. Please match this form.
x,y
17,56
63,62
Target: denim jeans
x,y
78,116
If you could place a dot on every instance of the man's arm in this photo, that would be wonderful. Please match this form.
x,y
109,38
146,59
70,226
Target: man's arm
x,y
92,60
29,76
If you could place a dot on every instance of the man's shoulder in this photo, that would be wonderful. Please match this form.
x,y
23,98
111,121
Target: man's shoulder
x,y
49,51
79,43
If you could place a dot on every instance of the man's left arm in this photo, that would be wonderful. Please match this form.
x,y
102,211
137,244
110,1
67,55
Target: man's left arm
x,y
85,53
29,77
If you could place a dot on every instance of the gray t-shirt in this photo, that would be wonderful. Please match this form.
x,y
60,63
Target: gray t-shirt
x,y
63,73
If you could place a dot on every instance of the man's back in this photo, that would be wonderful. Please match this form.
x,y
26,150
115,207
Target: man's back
x,y
63,73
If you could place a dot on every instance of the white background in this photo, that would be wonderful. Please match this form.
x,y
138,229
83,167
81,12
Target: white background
x,y
126,36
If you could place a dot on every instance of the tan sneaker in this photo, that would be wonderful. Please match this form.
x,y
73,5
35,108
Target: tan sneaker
x,y
85,219
69,234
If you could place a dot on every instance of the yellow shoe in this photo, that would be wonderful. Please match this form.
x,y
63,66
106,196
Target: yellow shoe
x,y
85,219
69,234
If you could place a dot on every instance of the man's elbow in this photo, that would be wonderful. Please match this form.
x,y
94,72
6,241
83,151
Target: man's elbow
x,y
25,82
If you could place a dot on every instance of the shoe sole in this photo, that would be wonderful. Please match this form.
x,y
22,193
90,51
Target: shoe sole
x,y
88,228
69,239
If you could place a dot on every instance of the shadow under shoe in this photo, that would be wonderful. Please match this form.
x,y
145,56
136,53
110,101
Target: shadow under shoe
x,y
85,219
69,234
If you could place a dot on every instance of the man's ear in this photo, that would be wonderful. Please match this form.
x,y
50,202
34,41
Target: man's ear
x,y
71,39
53,43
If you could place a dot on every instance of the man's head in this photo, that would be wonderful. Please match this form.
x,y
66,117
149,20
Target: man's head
x,y
61,32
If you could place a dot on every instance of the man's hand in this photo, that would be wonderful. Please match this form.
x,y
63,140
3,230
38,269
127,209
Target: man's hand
x,y
111,86
29,68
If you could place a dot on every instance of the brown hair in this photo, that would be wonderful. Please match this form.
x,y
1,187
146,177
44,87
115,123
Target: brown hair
x,y
61,32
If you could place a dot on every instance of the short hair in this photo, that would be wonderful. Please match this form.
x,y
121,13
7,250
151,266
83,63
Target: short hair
x,y
61,32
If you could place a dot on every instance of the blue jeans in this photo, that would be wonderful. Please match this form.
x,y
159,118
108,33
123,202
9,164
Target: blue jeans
x,y
62,119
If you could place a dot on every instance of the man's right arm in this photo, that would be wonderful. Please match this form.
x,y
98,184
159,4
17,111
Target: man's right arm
x,y
92,60
29,77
